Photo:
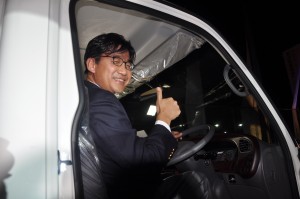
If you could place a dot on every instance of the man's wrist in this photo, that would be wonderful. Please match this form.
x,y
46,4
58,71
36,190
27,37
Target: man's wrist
x,y
163,123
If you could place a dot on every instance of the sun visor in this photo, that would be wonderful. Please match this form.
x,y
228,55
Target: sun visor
x,y
168,53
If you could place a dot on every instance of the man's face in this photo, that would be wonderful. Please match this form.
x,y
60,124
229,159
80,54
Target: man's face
x,y
109,76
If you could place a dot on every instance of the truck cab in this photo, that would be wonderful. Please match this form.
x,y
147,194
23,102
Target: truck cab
x,y
233,133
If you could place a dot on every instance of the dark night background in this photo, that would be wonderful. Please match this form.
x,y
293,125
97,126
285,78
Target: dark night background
x,y
268,29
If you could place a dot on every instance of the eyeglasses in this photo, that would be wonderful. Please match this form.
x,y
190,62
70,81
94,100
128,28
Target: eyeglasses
x,y
117,61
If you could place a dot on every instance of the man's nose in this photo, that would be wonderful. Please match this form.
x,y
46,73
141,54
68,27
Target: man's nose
x,y
122,69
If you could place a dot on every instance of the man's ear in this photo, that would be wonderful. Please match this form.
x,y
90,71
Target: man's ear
x,y
91,65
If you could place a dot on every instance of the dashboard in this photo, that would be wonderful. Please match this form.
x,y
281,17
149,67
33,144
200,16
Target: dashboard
x,y
234,154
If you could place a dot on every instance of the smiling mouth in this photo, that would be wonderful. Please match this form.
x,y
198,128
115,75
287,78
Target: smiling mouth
x,y
120,80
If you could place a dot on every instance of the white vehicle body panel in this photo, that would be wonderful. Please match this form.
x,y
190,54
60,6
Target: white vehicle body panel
x,y
38,106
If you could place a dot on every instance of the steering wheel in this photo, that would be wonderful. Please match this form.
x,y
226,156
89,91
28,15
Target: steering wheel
x,y
183,155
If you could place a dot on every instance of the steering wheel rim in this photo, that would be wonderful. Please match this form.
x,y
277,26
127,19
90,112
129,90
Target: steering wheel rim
x,y
179,157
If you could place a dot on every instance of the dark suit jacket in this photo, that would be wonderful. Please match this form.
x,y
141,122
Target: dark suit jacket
x,y
130,164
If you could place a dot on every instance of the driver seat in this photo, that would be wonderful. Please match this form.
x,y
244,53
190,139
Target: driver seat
x,y
92,179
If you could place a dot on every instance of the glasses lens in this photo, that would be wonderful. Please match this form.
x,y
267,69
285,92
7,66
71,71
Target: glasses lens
x,y
117,61
128,66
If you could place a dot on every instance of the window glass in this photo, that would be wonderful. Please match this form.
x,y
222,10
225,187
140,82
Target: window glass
x,y
198,84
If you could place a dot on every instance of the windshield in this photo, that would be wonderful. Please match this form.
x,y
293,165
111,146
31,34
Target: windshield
x,y
198,83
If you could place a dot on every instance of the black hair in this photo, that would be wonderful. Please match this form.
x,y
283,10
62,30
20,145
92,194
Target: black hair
x,y
106,44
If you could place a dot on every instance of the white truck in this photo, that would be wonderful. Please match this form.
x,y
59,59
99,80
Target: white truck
x,y
249,153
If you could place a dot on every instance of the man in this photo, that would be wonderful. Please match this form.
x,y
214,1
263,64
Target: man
x,y
131,165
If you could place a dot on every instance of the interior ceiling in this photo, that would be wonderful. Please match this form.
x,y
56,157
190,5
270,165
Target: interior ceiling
x,y
94,18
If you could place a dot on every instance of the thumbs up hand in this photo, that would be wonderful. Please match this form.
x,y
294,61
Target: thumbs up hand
x,y
167,108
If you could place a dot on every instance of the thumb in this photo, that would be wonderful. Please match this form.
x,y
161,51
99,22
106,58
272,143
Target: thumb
x,y
158,99
158,94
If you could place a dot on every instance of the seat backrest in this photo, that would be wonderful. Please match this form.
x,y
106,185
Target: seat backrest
x,y
92,180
